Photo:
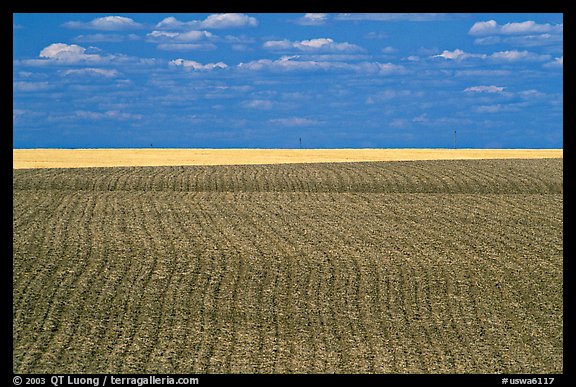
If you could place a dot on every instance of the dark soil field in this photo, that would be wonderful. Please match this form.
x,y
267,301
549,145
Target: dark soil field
x,y
379,267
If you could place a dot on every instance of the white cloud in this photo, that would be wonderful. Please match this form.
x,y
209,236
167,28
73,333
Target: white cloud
x,y
491,27
92,72
529,27
388,68
260,104
396,16
111,38
484,28
62,53
559,61
497,108
61,49
193,65
500,56
534,40
312,45
189,36
333,57
186,46
422,118
107,23
17,113
31,86
457,55
278,44
531,94
312,19
525,34
556,63
484,89
315,43
284,64
389,94
229,20
482,73
291,63
294,121
214,21
514,55
488,40
26,74
181,41
170,23
110,114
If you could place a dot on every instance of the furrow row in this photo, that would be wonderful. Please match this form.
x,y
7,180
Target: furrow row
x,y
456,176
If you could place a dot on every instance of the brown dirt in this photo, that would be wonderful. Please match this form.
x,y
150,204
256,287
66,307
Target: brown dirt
x,y
384,267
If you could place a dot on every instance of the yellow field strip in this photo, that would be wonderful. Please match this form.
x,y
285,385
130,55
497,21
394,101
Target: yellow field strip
x,y
84,158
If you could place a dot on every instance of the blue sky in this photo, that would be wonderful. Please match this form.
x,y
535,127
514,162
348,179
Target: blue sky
x,y
267,80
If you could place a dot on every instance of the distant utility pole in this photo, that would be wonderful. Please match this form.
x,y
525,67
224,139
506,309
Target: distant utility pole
x,y
454,138
300,138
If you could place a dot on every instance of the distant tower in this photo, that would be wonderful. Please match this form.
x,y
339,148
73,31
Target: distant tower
x,y
454,138
300,138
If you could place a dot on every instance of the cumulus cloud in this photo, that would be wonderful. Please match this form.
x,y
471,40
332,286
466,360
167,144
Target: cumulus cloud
x,y
491,27
110,38
214,21
484,89
312,45
312,19
57,50
500,56
292,63
523,40
229,20
193,65
484,28
515,55
457,55
189,36
181,41
286,63
526,34
107,23
62,53
171,23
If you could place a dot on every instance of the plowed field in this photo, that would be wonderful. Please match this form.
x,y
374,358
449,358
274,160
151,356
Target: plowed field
x,y
450,266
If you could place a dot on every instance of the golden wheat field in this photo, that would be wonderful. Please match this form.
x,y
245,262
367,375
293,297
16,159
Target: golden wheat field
x,y
80,158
